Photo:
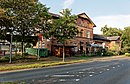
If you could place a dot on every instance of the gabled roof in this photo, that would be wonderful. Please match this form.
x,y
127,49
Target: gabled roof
x,y
84,15
99,37
113,38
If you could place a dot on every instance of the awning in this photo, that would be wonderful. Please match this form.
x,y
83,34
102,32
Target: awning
x,y
96,45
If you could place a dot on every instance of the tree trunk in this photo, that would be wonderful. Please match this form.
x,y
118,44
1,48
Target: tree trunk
x,y
63,52
16,51
22,48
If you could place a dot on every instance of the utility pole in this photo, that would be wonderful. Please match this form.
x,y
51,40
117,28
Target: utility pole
x,y
11,35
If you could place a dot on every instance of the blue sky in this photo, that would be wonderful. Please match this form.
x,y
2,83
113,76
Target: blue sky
x,y
114,13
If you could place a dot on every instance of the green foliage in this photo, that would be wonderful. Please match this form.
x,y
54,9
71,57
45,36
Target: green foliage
x,y
109,31
27,16
115,47
127,54
65,28
5,58
126,50
126,37
110,53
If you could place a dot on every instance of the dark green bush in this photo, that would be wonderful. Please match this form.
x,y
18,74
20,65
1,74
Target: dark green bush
x,y
25,54
5,58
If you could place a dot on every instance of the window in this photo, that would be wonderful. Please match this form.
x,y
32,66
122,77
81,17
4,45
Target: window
x,y
81,33
79,22
88,34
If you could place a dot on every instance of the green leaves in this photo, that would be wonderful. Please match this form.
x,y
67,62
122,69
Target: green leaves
x,y
126,37
65,27
109,31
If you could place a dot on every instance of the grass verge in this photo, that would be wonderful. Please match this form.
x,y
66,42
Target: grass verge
x,y
37,65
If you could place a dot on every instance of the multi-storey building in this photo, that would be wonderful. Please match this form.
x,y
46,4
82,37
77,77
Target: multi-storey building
x,y
78,45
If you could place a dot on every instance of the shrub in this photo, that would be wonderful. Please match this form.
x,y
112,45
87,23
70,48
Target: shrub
x,y
25,54
5,58
109,53
127,54
125,50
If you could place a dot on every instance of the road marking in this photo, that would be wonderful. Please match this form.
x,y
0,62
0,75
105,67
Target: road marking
x,y
77,75
108,69
46,75
113,67
100,72
118,65
62,75
91,72
77,79
81,72
90,75
62,80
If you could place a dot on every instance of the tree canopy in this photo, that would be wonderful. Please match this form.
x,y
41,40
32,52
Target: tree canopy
x,y
109,31
126,37
65,28
28,16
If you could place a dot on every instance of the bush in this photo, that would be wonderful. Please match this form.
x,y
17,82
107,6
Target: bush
x,y
125,50
5,58
110,53
25,54
127,54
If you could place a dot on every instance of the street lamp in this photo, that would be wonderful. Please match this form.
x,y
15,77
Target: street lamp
x,y
10,61
11,38
38,58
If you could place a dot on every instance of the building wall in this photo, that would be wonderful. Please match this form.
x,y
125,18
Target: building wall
x,y
74,45
115,45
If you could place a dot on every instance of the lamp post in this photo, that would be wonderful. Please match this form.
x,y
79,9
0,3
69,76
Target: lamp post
x,y
11,35
38,58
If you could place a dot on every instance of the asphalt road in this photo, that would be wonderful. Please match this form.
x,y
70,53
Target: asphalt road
x,y
108,72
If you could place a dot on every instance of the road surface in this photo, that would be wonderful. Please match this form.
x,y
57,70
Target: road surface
x,y
98,72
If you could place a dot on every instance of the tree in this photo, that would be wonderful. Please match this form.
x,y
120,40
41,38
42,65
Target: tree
x,y
6,26
5,23
109,31
29,15
126,37
65,28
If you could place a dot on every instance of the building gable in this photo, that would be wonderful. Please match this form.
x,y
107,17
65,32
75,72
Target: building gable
x,y
85,16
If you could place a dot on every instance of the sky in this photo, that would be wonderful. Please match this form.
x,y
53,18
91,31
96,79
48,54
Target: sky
x,y
113,13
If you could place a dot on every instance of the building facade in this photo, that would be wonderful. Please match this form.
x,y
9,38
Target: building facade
x,y
74,46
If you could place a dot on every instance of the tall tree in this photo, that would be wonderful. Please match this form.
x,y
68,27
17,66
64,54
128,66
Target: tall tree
x,y
28,15
65,28
109,31
5,23
126,37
